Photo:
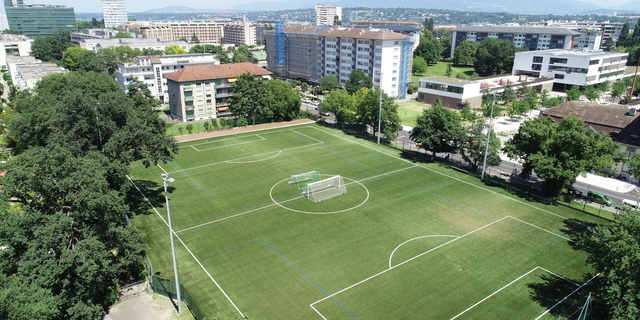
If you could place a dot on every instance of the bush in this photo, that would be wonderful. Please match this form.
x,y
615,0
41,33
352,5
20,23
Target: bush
x,y
410,90
242,122
189,128
214,124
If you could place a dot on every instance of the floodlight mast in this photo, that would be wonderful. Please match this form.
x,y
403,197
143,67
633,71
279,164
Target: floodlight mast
x,y
486,148
165,180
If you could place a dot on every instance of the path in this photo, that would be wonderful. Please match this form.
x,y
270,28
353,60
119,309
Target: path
x,y
204,135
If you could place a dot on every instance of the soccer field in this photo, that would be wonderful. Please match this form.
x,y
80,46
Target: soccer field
x,y
407,240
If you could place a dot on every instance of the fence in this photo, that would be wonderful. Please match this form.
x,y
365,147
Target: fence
x,y
167,288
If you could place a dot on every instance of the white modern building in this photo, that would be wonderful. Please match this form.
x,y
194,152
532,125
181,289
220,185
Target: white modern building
x,y
14,45
153,70
571,67
326,14
310,53
114,12
135,43
532,37
239,34
27,71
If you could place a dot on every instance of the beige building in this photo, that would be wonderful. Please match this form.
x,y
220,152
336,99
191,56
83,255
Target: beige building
x,y
201,92
14,45
206,31
239,34
163,32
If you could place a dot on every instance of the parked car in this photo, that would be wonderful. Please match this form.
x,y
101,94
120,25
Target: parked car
x,y
629,205
574,192
600,198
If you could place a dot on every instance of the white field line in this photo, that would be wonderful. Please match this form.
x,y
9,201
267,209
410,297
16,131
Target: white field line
x,y
444,174
275,204
406,261
512,282
565,298
543,229
261,129
416,238
252,161
304,135
191,253
230,145
318,312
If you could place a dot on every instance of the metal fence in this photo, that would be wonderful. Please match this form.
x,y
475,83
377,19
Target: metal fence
x,y
167,288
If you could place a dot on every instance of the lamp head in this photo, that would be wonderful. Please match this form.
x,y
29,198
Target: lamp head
x,y
164,175
171,180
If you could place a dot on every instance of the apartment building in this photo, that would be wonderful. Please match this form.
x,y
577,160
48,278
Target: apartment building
x,y
26,71
239,34
201,92
571,67
153,70
532,37
310,53
114,13
40,20
609,29
326,14
163,32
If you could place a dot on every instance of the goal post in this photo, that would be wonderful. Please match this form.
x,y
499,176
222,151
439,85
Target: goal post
x,y
325,189
300,181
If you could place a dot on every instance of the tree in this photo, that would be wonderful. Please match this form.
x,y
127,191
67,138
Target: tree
x,y
329,82
449,70
445,44
174,49
336,21
429,48
623,39
509,94
81,24
523,90
50,48
71,58
123,35
574,93
559,152
189,128
207,126
283,103
608,45
617,89
591,93
635,36
428,24
634,165
465,53
249,96
223,57
419,66
97,24
494,56
466,112
474,146
368,112
358,80
341,104
438,129
198,48
238,57
613,253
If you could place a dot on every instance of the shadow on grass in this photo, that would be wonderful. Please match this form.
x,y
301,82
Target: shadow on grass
x,y
551,290
154,193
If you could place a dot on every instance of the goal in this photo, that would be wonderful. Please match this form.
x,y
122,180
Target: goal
x,y
300,181
325,189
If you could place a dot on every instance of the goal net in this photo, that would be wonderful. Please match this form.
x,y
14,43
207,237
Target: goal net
x,y
325,189
300,181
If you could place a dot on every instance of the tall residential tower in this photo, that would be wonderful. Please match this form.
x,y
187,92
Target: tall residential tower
x,y
114,12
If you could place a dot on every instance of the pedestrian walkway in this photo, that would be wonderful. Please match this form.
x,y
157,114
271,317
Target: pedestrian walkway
x,y
607,183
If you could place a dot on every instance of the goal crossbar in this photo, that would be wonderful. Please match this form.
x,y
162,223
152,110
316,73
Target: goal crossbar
x,y
325,189
300,181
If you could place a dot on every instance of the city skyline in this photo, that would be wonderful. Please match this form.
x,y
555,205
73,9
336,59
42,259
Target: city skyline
x,y
141,6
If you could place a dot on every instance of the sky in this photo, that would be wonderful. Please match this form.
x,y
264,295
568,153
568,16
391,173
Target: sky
x,y
144,5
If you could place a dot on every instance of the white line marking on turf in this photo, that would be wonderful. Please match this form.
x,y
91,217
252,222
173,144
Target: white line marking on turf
x,y
316,310
512,282
264,159
543,229
304,135
261,129
191,253
565,298
406,261
416,238
230,145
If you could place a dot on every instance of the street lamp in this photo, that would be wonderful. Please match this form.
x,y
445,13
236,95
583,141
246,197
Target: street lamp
x,y
380,108
166,179
486,148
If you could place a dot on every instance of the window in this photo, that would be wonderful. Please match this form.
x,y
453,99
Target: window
x,y
592,62
558,76
536,67
395,43
557,60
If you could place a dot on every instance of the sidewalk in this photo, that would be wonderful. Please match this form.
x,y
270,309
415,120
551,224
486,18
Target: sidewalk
x,y
607,183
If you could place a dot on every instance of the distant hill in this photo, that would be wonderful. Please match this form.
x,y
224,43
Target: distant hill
x,y
630,6
539,6
181,9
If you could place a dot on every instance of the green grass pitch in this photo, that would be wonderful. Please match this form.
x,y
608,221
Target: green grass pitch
x,y
407,241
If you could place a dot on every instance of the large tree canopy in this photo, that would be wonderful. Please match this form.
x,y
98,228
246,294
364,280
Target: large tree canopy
x,y
465,52
475,144
368,112
438,129
341,104
66,238
494,56
559,152
358,80
249,98
283,102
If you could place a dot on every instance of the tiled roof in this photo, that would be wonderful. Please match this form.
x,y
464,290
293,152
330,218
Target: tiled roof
x,y
220,71
605,118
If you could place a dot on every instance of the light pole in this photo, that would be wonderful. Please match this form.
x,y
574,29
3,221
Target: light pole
x,y
486,148
380,109
166,179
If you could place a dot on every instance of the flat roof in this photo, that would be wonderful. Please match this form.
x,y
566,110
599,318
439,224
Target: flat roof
x,y
574,53
519,29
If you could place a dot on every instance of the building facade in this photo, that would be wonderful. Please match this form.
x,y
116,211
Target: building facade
x,y
201,92
26,71
609,29
571,67
14,45
114,13
533,38
40,20
326,14
206,31
310,53
239,34
153,70
94,44
454,92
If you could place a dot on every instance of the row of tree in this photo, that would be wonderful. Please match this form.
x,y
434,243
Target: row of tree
x,y
489,57
66,243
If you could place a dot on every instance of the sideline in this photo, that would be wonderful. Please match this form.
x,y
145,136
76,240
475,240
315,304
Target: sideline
x,y
258,127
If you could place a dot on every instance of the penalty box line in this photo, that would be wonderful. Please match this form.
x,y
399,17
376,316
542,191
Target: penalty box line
x,y
400,264
188,250
512,282
298,197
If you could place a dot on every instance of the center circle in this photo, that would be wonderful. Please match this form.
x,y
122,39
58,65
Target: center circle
x,y
308,212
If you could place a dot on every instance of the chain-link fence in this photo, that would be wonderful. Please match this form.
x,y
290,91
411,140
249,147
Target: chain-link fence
x,y
167,288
